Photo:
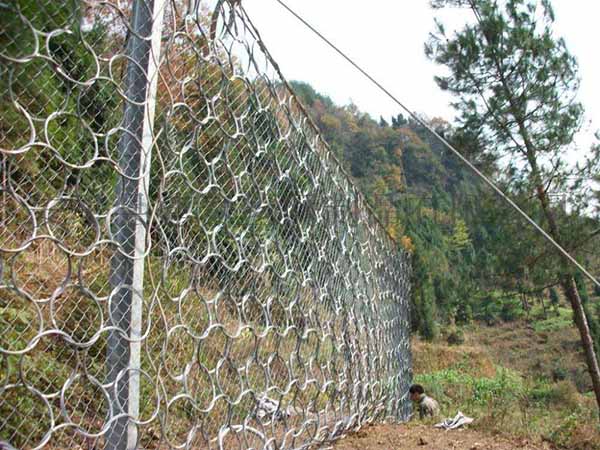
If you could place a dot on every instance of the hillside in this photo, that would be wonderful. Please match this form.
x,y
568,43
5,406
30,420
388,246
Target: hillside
x,y
473,257
494,337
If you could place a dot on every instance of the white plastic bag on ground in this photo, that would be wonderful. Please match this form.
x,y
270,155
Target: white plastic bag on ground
x,y
456,422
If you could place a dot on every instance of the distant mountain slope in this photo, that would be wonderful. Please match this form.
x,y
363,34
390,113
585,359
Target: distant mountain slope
x,y
473,257
418,191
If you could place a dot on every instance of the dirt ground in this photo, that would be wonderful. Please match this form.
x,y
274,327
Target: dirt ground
x,y
426,437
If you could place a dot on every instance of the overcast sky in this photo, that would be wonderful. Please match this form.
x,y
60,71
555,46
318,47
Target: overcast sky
x,y
386,37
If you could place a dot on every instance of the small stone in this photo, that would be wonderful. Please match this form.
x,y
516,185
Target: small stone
x,y
422,441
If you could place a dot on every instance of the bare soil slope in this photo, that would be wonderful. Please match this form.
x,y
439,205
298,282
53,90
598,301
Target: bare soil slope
x,y
425,437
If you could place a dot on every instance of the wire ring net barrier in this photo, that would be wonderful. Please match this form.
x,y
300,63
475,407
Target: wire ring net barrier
x,y
183,262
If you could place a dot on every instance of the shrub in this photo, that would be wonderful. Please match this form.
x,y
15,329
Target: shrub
x,y
559,374
427,328
467,391
581,379
563,393
563,319
456,337
577,431
464,314
510,311
487,310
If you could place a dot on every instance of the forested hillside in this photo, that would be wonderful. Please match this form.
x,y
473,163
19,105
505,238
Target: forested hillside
x,y
474,258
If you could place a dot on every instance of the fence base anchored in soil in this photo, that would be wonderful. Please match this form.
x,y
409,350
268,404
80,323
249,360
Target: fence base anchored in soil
x,y
183,262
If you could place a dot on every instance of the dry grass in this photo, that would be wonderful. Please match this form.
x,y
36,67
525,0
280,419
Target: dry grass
x,y
555,354
421,437
431,357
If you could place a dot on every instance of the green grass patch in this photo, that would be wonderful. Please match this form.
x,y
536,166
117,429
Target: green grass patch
x,y
456,388
563,319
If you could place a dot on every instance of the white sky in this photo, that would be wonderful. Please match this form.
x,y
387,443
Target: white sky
x,y
386,37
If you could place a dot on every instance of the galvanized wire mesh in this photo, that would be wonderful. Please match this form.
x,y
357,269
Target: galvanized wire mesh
x,y
183,263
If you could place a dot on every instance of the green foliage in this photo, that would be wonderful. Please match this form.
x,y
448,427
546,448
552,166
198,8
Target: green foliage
x,y
554,298
564,319
488,310
459,235
547,77
577,431
559,373
459,240
464,313
561,394
473,392
423,196
384,161
424,301
511,310
582,288
507,403
592,319
515,85
428,326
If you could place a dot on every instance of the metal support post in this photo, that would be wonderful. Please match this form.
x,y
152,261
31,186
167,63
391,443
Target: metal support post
x,y
130,220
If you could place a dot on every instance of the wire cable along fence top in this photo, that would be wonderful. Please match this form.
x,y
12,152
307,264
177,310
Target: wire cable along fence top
x,y
449,146
183,262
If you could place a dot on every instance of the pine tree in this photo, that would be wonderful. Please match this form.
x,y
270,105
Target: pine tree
x,y
516,85
582,288
459,239
587,307
428,327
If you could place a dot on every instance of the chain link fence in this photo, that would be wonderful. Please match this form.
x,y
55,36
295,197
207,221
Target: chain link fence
x,y
183,262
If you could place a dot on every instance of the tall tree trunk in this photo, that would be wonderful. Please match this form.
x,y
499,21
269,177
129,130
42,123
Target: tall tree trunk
x,y
567,281
570,289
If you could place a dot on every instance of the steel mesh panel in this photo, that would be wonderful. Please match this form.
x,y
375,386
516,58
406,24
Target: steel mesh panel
x,y
183,262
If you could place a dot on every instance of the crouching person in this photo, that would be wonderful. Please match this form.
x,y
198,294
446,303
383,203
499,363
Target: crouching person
x,y
428,407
